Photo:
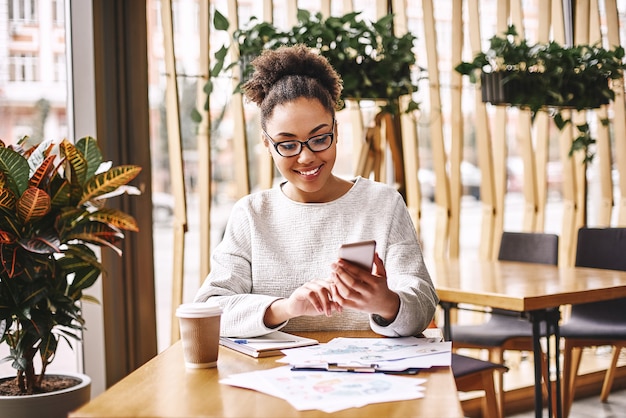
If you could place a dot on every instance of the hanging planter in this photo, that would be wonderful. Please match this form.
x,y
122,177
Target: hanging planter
x,y
374,64
521,90
546,76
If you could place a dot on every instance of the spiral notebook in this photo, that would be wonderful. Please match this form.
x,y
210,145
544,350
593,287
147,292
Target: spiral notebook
x,y
267,345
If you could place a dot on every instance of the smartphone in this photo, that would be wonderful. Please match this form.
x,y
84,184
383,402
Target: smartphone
x,y
359,253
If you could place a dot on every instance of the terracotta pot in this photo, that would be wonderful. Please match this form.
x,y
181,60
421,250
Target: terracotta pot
x,y
50,405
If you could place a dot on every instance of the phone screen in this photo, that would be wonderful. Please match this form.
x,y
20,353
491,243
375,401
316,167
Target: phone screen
x,y
359,253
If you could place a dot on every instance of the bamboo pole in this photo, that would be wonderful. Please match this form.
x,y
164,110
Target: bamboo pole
x,y
240,141
567,241
483,141
603,146
292,12
542,128
204,143
325,8
176,165
581,35
456,147
499,145
442,188
524,138
411,165
619,112
266,164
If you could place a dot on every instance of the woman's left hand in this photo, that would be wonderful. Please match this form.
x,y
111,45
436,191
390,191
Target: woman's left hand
x,y
356,288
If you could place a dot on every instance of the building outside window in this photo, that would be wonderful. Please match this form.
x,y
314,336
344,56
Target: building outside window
x,y
23,67
23,10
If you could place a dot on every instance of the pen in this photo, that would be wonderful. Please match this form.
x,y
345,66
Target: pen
x,y
260,340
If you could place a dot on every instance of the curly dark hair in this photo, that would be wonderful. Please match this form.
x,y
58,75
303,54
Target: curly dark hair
x,y
289,73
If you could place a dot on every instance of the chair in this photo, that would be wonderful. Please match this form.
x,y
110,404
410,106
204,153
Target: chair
x,y
474,374
598,323
505,330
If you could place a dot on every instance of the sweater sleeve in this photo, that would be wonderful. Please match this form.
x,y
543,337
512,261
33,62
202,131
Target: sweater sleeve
x,y
229,284
408,277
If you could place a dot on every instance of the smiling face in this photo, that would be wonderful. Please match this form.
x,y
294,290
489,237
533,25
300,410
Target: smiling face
x,y
308,174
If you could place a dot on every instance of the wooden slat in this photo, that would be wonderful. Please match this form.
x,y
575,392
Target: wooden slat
x,y
408,129
325,8
602,162
567,241
204,143
525,141
411,165
581,35
499,145
442,188
240,141
542,127
483,142
619,112
292,12
456,120
176,165
381,8
266,164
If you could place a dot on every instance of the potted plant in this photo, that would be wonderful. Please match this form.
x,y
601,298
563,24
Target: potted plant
x,y
372,61
51,210
546,75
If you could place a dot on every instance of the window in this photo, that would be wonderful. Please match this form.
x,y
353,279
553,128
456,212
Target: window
x,y
58,12
23,10
60,72
23,67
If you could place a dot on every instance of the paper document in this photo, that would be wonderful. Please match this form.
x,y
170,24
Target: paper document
x,y
328,392
371,354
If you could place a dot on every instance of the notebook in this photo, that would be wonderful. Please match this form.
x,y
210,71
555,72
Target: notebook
x,y
266,345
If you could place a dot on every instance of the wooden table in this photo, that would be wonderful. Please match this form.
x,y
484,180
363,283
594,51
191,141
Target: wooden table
x,y
164,388
535,290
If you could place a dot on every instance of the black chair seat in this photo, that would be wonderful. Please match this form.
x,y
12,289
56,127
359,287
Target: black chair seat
x,y
608,321
463,365
495,332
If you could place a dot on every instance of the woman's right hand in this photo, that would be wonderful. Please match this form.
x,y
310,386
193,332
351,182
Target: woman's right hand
x,y
311,299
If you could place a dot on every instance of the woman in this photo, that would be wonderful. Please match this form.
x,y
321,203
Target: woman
x,y
277,266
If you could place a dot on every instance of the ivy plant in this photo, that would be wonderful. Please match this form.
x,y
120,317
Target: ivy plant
x,y
372,61
548,76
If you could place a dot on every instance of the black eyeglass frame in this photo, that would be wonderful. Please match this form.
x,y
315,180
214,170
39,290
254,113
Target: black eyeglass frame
x,y
303,143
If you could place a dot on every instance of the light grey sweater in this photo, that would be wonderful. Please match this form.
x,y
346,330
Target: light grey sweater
x,y
272,245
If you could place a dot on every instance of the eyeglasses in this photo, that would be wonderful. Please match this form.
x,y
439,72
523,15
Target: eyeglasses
x,y
317,143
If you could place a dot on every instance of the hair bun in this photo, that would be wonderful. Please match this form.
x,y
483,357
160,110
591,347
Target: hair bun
x,y
299,60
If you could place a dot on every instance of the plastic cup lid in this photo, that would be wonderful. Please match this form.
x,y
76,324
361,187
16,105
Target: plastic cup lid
x,y
197,310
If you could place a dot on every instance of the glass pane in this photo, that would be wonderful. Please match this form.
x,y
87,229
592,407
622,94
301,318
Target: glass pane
x,y
33,88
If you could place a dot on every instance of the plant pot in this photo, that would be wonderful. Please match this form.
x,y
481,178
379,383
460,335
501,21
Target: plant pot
x,y
530,90
50,405
499,88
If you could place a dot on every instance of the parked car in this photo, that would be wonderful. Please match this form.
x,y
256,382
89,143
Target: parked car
x,y
162,206
515,175
470,180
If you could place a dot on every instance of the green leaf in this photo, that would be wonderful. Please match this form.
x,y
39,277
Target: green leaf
x,y
108,181
195,115
219,21
116,218
16,170
77,174
88,147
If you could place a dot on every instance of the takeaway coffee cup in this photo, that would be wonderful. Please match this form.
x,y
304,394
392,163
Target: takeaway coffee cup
x,y
200,333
